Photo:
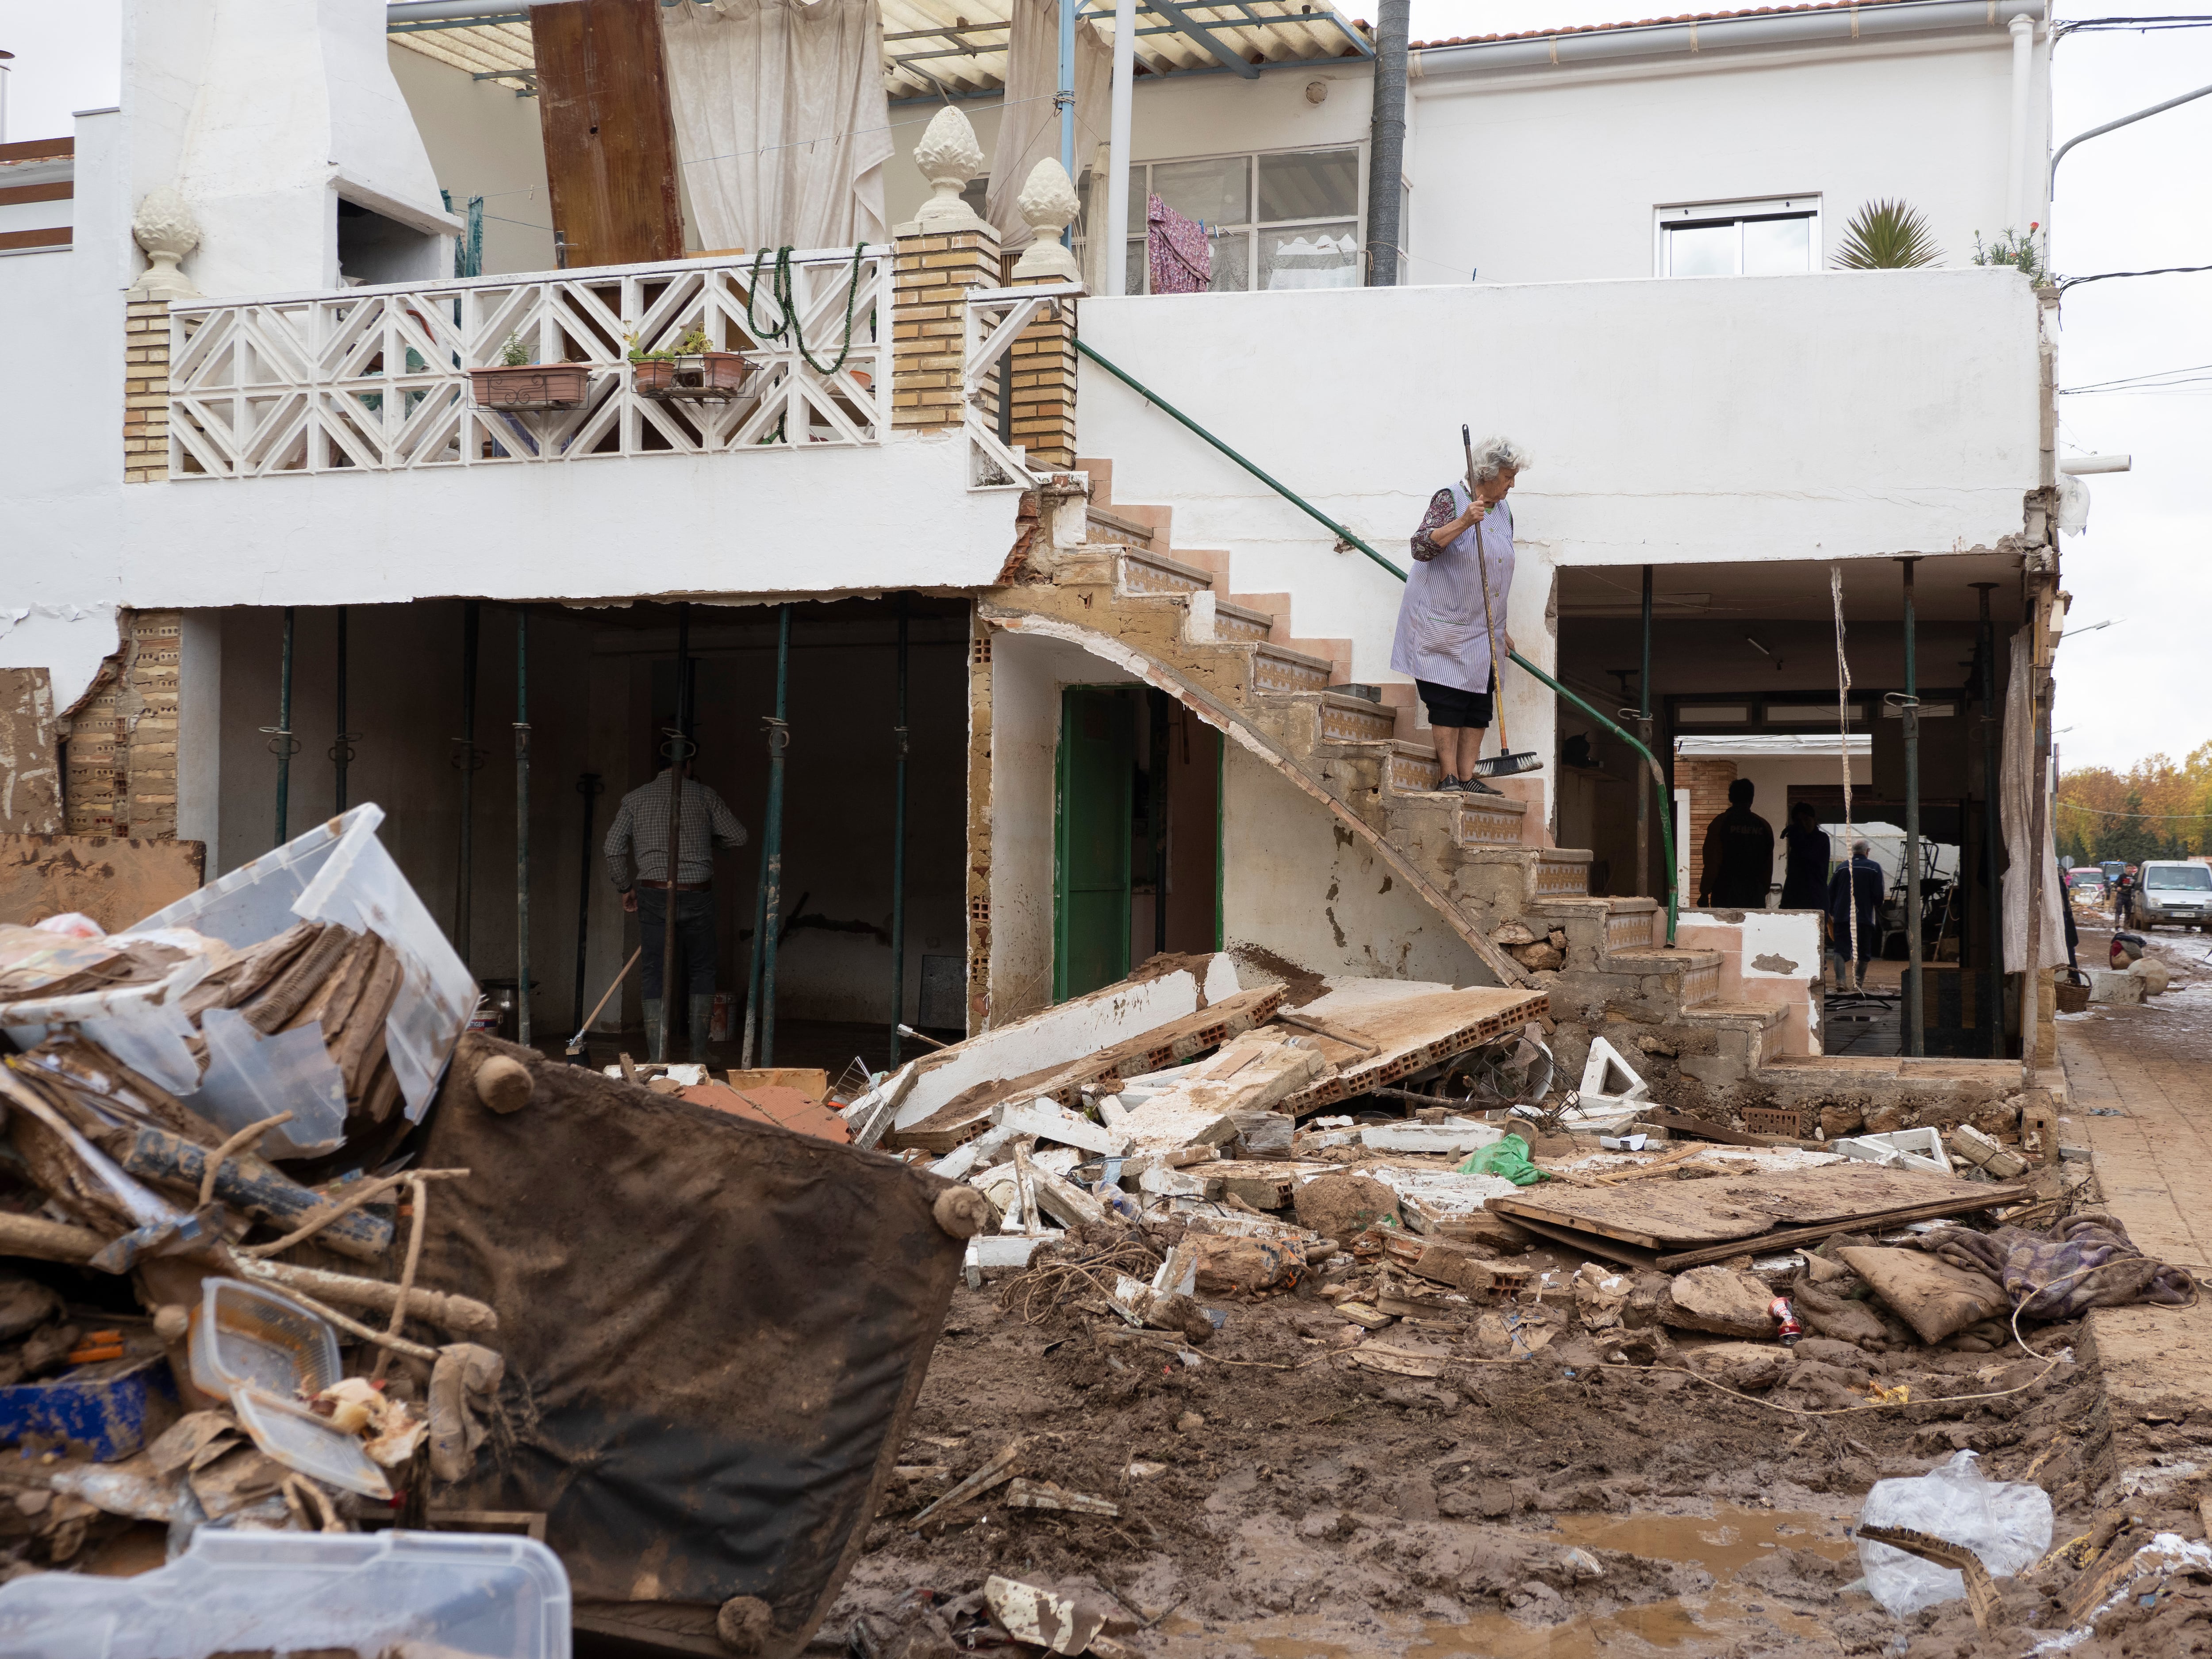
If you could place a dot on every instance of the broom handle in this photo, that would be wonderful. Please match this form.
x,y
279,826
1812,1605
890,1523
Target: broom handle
x,y
1489,625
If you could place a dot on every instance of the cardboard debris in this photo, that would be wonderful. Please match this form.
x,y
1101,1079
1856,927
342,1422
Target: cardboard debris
x,y
1042,1618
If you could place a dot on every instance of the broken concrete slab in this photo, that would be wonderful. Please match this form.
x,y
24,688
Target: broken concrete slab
x,y
1412,1024
1454,1137
1253,1072
1048,1120
1919,1148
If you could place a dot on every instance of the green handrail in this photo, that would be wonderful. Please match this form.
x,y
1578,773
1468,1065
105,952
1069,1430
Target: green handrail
x,y
1658,778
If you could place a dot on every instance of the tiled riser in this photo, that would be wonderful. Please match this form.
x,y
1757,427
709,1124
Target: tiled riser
x,y
1631,932
1273,674
1479,827
1562,880
1701,985
1341,725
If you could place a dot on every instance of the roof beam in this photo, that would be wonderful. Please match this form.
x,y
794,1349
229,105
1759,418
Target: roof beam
x,y
1203,34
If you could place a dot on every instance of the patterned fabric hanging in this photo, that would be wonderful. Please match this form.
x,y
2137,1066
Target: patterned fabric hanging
x,y
1182,260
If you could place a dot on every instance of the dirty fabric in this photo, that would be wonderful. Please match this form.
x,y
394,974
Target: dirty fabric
x,y
1182,258
2083,1262
713,1331
1508,1157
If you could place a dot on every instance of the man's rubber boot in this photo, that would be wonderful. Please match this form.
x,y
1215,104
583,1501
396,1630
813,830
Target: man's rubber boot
x,y
656,1039
703,1019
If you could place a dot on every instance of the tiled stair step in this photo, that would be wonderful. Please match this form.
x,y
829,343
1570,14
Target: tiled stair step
x,y
1242,623
1108,526
1561,873
1277,669
1628,928
1763,1020
1348,718
1660,959
1147,574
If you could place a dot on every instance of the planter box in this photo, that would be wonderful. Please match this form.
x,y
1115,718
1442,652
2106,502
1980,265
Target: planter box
x,y
531,386
705,376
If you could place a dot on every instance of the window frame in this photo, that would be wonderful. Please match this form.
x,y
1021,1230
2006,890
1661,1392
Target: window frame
x,y
1669,216
1140,176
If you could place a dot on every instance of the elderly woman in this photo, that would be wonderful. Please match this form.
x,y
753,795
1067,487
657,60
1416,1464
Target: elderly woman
x,y
1445,634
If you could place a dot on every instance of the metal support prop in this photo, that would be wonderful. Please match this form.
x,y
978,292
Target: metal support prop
x,y
1916,1011
898,840
470,621
779,739
590,788
282,737
341,749
1155,819
522,828
1992,975
679,754
1643,731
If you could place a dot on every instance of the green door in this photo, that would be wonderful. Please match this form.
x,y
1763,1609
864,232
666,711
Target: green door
x,y
1092,810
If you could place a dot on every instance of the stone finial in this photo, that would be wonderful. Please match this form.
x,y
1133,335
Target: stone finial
x,y
166,229
949,157
1048,201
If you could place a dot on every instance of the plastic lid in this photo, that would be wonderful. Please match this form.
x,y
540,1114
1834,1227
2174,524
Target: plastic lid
x,y
301,1440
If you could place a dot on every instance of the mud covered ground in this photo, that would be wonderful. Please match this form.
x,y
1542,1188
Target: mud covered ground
x,y
1277,1500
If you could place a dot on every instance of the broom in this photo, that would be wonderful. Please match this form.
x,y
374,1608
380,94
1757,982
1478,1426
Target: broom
x,y
1504,764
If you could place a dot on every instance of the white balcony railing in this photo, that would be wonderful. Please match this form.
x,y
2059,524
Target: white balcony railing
x,y
377,378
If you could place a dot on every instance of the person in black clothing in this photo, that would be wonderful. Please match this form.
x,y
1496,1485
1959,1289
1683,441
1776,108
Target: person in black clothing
x,y
2123,897
1738,855
1804,884
1861,879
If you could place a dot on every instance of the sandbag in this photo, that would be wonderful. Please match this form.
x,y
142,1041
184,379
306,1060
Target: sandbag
x,y
713,1330
1933,1297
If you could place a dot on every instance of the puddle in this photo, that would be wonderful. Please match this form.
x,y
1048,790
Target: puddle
x,y
1723,1543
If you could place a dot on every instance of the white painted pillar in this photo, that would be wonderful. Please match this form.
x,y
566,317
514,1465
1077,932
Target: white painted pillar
x,y
2023,77
199,733
1115,263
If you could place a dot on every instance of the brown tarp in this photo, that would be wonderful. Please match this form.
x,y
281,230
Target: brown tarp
x,y
713,1332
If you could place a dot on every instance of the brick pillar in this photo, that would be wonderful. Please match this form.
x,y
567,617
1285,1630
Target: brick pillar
x,y
930,286
1044,388
146,392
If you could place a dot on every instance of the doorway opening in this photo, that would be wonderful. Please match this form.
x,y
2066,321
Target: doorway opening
x,y
1137,834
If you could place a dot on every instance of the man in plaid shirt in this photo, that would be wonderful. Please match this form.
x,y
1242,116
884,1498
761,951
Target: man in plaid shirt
x,y
637,859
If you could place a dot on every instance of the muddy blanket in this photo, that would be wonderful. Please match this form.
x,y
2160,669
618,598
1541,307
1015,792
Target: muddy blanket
x,y
713,1330
2085,1261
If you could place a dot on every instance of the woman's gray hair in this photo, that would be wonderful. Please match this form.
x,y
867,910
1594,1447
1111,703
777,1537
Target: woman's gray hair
x,y
1495,455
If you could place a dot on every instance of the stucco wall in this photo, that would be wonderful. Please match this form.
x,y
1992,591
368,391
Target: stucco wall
x,y
1299,888
1840,416
483,141
1551,175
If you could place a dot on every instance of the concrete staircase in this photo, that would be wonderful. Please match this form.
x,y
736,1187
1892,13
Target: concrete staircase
x,y
1485,860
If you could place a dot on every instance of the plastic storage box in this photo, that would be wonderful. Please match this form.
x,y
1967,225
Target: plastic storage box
x,y
395,1594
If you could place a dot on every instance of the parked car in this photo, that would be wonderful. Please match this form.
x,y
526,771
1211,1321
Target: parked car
x,y
2175,891
2086,888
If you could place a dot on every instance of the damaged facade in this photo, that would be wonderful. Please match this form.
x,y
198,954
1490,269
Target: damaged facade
x,y
1143,699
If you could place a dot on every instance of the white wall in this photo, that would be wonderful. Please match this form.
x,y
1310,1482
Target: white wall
x,y
61,429
1304,890
483,141
1551,175
1837,415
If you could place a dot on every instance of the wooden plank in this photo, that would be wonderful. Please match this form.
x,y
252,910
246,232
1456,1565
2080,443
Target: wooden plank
x,y
1412,1027
115,881
1653,1219
1613,1249
1791,1238
1675,1123
609,141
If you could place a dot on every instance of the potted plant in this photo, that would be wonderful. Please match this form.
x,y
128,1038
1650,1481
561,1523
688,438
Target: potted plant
x,y
518,383
690,369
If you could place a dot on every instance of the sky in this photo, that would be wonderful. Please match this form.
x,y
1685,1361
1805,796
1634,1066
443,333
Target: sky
x,y
2132,200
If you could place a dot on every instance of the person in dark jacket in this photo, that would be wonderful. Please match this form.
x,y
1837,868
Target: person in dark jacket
x,y
1860,878
1738,855
1805,880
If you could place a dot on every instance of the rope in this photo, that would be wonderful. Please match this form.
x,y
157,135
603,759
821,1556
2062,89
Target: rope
x,y
781,291
1844,727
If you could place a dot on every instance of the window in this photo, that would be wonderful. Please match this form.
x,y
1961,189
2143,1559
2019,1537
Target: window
x,y
1287,220
1775,238
2198,877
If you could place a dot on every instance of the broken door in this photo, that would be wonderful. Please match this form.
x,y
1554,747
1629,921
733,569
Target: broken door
x,y
609,141
1093,814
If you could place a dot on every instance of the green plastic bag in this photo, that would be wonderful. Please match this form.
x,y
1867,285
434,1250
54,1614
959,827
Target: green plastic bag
x,y
1508,1157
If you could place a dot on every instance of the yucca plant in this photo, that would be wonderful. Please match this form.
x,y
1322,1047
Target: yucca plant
x,y
1888,236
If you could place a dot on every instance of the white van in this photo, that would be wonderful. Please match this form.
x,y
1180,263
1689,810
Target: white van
x,y
2174,891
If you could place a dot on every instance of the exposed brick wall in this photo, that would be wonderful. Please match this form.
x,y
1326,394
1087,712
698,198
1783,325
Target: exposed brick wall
x,y
121,776
1707,779
929,293
146,392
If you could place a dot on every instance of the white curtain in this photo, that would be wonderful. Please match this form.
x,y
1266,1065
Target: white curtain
x,y
782,127
2022,777
1029,131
